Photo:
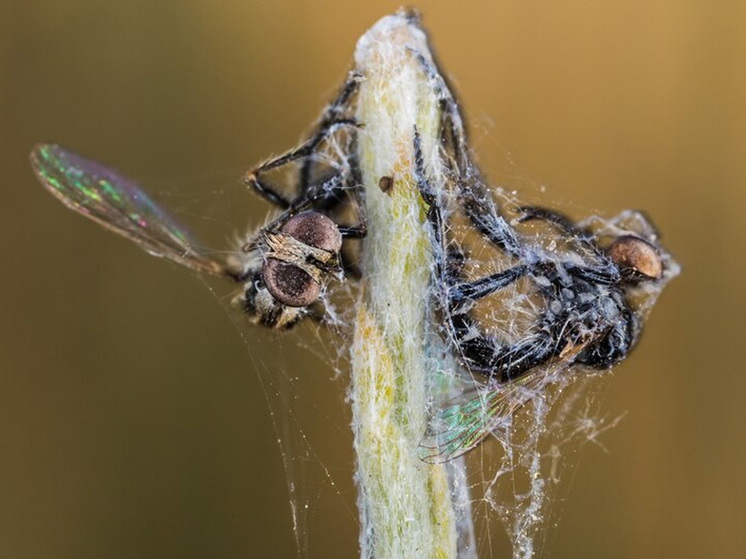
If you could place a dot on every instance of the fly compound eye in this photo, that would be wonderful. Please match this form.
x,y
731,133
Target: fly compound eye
x,y
314,229
289,284
633,254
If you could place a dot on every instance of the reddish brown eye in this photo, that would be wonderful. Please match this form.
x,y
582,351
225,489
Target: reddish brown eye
x,y
314,229
289,284
637,255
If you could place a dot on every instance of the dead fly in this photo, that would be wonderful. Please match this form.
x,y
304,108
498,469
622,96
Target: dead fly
x,y
285,265
589,293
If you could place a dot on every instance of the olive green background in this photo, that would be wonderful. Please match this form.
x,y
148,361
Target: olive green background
x,y
132,423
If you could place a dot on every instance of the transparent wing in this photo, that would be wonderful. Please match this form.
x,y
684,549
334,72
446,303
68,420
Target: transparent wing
x,y
463,423
116,203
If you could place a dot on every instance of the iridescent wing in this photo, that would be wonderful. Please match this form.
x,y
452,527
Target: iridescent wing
x,y
116,203
465,422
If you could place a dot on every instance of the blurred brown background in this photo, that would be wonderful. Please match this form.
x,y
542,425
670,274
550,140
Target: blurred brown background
x,y
132,423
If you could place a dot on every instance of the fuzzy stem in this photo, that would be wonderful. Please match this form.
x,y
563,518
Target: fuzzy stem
x,y
406,507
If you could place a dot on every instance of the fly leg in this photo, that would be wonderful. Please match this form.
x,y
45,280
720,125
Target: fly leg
x,y
357,231
435,217
480,351
473,290
253,178
337,111
474,197
485,355
531,213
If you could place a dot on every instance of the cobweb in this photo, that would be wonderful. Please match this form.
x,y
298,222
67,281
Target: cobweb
x,y
569,314
529,432
534,428
308,431
223,214
515,476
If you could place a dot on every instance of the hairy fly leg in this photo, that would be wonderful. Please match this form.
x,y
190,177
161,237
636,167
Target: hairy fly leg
x,y
483,353
339,110
253,178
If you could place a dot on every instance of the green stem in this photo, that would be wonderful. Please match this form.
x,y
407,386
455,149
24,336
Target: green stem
x,y
406,506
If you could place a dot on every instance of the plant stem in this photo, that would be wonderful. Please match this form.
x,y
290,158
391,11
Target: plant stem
x,y
406,507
